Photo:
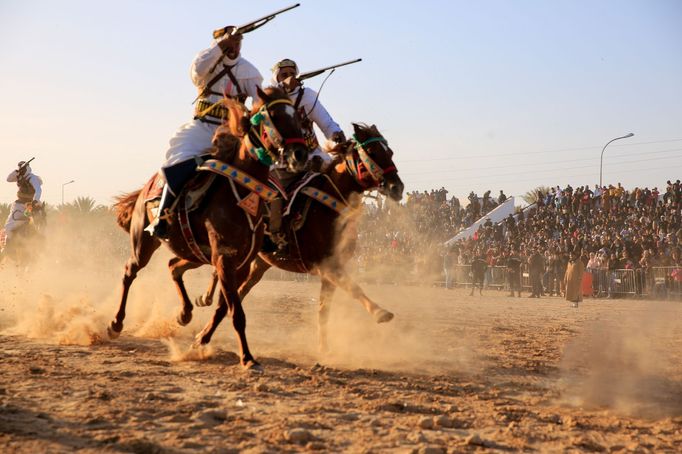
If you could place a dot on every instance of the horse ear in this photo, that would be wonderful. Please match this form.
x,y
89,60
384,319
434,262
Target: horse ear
x,y
262,95
356,127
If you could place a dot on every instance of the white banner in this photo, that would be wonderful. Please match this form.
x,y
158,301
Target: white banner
x,y
496,215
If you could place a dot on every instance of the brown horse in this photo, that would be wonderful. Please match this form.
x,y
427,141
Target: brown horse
x,y
225,235
326,240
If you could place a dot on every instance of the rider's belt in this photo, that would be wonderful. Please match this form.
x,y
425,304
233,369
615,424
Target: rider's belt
x,y
203,110
24,197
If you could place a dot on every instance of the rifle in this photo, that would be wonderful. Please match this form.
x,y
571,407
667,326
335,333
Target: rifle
x,y
251,26
317,72
24,165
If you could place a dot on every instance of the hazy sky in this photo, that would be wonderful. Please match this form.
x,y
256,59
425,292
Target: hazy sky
x,y
471,95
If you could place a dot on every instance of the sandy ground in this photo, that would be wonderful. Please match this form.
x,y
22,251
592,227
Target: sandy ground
x,y
451,373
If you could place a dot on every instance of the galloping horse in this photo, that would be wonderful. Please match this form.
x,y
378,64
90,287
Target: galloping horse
x,y
222,232
326,239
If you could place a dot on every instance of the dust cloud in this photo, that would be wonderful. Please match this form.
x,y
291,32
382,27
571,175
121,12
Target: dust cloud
x,y
629,362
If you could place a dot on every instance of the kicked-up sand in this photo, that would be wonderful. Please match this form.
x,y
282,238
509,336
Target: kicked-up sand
x,y
451,373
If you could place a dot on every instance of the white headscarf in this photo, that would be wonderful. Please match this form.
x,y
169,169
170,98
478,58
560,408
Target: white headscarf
x,y
285,63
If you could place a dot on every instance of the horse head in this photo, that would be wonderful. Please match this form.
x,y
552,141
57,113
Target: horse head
x,y
271,131
276,126
370,161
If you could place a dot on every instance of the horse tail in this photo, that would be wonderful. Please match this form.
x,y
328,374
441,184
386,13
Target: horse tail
x,y
124,208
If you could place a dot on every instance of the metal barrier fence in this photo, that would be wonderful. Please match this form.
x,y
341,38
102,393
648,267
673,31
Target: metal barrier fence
x,y
657,282
665,281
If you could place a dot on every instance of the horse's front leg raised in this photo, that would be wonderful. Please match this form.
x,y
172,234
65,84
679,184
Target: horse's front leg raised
x,y
256,271
177,268
146,248
207,298
338,276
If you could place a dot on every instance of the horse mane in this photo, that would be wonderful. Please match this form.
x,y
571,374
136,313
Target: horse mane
x,y
227,138
124,208
365,129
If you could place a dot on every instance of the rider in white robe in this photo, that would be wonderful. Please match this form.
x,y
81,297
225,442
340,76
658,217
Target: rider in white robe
x,y
29,192
217,72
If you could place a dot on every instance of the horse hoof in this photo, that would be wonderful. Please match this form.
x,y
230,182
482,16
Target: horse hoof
x,y
184,318
114,330
200,340
383,316
200,301
252,366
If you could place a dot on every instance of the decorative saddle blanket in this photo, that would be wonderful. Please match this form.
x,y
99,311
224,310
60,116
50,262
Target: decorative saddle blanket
x,y
306,186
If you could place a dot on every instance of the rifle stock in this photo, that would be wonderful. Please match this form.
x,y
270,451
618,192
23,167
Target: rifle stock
x,y
251,26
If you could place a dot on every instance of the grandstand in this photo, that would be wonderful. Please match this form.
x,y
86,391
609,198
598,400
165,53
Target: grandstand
x,y
629,240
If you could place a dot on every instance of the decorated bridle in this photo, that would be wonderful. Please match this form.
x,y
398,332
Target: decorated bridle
x,y
360,163
267,132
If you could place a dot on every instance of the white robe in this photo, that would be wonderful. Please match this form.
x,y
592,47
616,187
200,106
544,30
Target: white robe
x,y
16,217
194,137
317,113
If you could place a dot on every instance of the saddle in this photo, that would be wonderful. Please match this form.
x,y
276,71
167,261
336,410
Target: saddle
x,y
192,194
308,186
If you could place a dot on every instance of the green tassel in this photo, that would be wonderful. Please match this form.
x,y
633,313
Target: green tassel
x,y
257,118
263,156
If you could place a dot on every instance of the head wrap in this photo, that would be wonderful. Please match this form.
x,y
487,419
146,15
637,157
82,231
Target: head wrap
x,y
285,63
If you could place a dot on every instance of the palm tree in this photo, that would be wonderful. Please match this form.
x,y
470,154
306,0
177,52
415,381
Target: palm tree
x,y
531,196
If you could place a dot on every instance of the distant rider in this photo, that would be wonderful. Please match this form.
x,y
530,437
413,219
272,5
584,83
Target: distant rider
x,y
28,198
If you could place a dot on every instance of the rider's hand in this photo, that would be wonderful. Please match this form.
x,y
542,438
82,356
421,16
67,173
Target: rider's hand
x,y
339,137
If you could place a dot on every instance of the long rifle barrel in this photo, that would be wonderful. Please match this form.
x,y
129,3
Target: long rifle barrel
x,y
317,72
251,26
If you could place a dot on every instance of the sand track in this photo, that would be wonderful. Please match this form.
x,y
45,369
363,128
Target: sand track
x,y
451,371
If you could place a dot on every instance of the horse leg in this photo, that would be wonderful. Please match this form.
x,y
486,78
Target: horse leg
x,y
326,294
256,271
207,298
229,302
177,268
340,278
204,337
145,245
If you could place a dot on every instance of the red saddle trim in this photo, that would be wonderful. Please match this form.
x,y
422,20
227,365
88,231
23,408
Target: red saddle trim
x,y
186,229
154,187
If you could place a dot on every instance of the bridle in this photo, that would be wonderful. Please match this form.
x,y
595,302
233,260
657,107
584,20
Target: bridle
x,y
364,169
260,142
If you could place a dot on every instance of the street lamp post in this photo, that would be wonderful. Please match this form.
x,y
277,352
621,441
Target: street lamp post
x,y
68,182
601,160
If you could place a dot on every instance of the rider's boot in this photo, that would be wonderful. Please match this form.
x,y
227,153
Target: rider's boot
x,y
275,224
159,228
176,176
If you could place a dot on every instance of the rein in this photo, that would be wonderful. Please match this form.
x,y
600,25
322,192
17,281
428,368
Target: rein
x,y
268,131
363,158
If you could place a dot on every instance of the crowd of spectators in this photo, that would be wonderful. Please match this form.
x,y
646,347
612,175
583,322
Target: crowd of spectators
x,y
609,227
412,233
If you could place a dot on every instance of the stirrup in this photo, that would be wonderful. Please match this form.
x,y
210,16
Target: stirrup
x,y
280,240
159,228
